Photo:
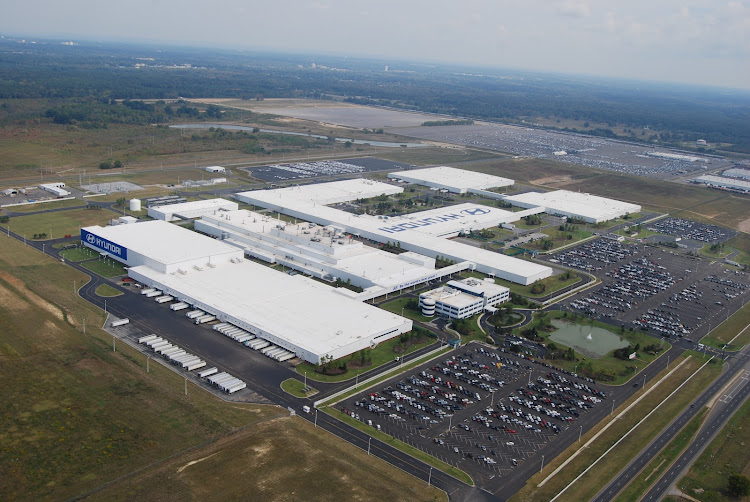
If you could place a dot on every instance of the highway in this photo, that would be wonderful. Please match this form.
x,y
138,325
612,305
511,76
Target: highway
x,y
717,417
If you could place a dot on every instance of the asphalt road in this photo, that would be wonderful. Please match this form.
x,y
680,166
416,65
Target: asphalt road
x,y
742,359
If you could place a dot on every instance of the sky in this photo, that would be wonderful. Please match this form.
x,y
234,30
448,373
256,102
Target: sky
x,y
704,42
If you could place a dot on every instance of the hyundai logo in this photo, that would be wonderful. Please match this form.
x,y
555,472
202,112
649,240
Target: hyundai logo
x,y
475,211
91,238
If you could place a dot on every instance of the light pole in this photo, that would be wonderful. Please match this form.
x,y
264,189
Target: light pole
x,y
356,380
613,407
542,467
113,343
305,389
429,478
316,417
369,441
580,431
147,366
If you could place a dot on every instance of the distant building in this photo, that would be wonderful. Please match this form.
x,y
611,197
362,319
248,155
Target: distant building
x,y
462,299
57,188
701,142
215,169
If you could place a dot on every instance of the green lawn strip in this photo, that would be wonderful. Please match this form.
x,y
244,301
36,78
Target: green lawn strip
x,y
399,304
727,330
296,388
399,445
726,454
559,238
107,268
380,355
43,206
57,224
79,253
623,370
107,290
654,469
551,284
387,375
588,485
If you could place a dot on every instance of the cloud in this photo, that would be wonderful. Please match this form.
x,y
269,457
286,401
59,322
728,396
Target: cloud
x,y
575,9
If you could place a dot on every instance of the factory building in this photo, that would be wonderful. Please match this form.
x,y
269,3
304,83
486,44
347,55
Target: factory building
x,y
739,185
462,299
57,188
296,313
451,179
587,207
425,233
324,252
190,210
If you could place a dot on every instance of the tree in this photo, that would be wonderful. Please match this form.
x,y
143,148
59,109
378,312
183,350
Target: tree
x,y
117,164
739,486
120,202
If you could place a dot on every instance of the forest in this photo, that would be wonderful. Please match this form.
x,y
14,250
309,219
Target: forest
x,y
97,73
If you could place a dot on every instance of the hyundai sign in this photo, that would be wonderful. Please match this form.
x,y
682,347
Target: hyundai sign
x,y
438,218
110,247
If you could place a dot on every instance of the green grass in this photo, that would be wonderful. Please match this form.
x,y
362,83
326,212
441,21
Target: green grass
x,y
663,461
559,238
726,454
395,443
61,223
296,388
107,290
398,306
729,329
621,370
105,268
551,284
43,206
77,254
380,355
76,414
588,485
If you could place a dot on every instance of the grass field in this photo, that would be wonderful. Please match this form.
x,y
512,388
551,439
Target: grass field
x,y
60,223
105,268
107,290
296,388
78,254
661,462
390,440
77,415
586,487
380,355
398,306
43,206
729,329
726,454
283,459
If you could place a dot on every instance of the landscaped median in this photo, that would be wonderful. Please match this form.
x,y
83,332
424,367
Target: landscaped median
x,y
399,445
107,291
296,388
629,429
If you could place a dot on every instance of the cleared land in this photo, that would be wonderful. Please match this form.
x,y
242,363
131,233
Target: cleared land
x,y
592,482
279,460
77,415
727,454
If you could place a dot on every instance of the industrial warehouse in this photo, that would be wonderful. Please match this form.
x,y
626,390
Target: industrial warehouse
x,y
451,179
425,233
296,313
587,207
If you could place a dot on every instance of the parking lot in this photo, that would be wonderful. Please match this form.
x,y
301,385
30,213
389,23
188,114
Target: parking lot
x,y
664,292
486,411
300,170
693,230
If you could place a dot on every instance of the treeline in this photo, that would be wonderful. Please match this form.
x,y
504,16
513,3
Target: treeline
x,y
679,113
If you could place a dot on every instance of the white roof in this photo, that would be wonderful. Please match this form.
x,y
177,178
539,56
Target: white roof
x,y
302,311
332,193
163,242
450,220
709,179
450,177
284,200
575,203
193,208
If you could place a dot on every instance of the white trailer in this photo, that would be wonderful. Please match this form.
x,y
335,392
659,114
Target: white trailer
x,y
154,341
268,349
229,383
179,353
164,299
174,351
188,362
237,387
233,331
147,291
208,372
259,343
179,306
165,348
205,318
160,344
275,351
222,325
196,365
276,355
220,378
154,293
146,339
183,358
194,313
244,338
285,357
121,322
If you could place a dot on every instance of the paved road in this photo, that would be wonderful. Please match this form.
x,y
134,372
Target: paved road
x,y
714,422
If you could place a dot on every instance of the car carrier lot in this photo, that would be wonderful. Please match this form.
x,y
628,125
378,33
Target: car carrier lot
x,y
487,411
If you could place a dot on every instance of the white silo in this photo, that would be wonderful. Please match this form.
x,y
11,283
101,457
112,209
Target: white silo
x,y
135,204
428,307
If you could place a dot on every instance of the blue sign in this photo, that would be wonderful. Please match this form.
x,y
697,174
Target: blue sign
x,y
105,245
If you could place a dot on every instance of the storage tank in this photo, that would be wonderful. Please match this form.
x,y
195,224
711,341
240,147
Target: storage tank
x,y
428,307
135,204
